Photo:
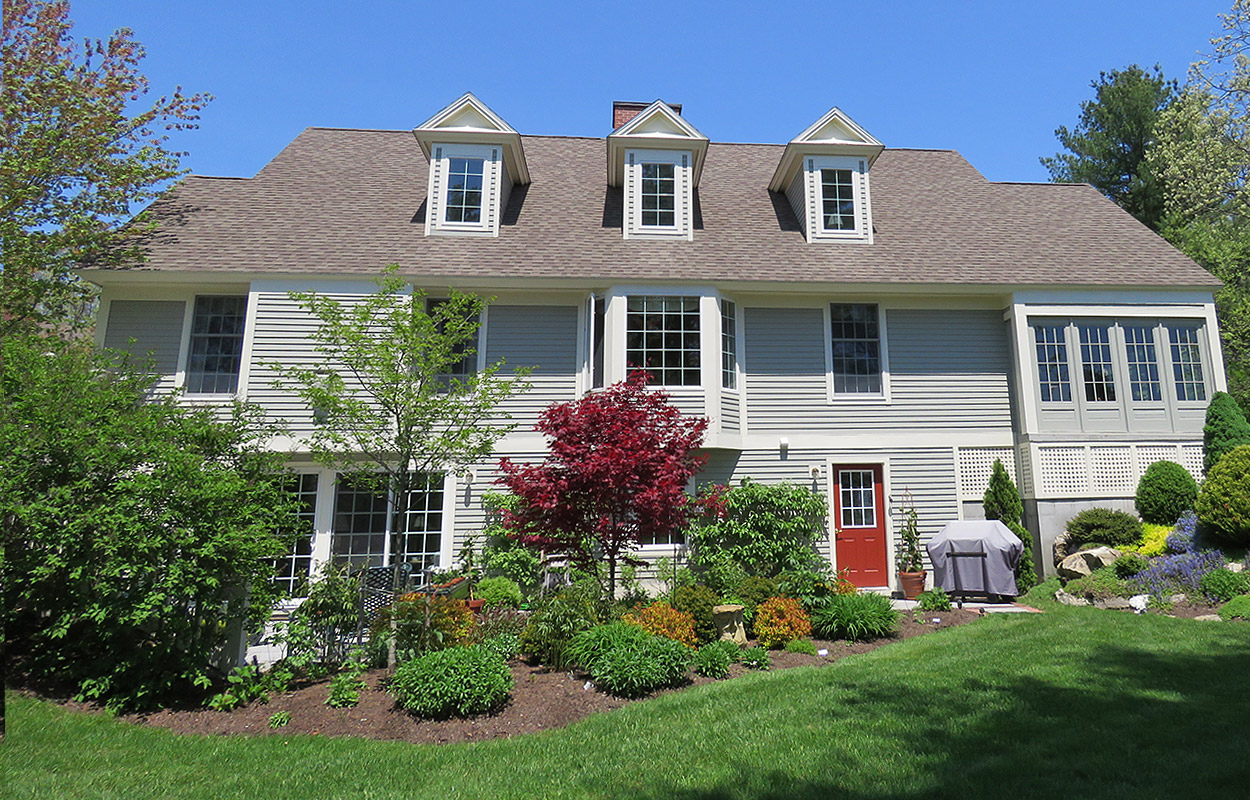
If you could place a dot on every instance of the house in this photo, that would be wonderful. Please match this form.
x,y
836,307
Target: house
x,y
880,324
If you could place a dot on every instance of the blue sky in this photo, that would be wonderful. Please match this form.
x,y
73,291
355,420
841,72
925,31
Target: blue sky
x,y
989,79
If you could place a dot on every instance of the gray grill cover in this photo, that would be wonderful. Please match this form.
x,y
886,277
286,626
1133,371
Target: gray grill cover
x,y
997,575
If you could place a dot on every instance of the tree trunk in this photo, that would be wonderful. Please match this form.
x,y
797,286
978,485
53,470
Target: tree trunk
x,y
399,505
611,578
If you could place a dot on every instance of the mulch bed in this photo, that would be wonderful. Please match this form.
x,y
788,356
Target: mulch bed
x,y
541,700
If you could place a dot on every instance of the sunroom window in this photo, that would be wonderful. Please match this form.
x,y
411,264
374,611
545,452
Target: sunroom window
x,y
1097,372
1187,364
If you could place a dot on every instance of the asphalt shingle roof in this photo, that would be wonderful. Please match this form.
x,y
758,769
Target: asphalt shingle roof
x,y
349,201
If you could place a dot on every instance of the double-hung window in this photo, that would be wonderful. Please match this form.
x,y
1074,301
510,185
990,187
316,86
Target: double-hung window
x,y
658,196
662,337
216,347
464,190
466,349
837,193
856,349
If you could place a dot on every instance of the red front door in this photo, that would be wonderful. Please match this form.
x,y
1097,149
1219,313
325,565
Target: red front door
x,y
859,514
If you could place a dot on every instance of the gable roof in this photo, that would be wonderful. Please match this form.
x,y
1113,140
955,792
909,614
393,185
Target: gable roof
x,y
338,202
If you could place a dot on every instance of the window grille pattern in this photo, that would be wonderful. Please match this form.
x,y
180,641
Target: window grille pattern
x,y
1187,364
658,196
421,543
467,349
1052,363
216,345
464,190
360,510
728,345
292,570
856,498
838,199
1143,365
359,537
1096,363
856,349
662,337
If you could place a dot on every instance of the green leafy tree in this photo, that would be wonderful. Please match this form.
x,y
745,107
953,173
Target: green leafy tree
x,y
1226,429
138,534
1002,502
393,401
1108,147
1202,158
79,152
763,529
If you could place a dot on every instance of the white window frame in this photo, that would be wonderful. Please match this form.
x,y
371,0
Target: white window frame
x,y
683,199
884,347
858,166
491,157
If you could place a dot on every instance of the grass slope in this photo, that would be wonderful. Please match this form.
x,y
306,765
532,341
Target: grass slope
x,y
1079,703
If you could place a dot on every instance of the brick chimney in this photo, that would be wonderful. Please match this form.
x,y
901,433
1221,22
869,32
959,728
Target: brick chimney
x,y
623,111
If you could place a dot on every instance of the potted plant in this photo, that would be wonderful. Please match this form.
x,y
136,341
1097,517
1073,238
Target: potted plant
x,y
910,558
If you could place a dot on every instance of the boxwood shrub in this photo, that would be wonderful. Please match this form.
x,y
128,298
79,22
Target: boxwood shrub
x,y
1099,526
458,682
1166,490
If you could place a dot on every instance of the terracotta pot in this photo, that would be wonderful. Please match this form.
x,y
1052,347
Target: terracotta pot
x,y
476,605
912,583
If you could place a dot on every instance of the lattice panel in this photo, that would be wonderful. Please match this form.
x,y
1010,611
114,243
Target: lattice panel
x,y
1112,469
1026,471
1148,454
1191,459
1063,470
976,464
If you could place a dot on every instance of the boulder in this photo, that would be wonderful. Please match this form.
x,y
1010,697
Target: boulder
x,y
1063,598
1078,565
1117,603
1208,618
1236,566
1176,599
728,621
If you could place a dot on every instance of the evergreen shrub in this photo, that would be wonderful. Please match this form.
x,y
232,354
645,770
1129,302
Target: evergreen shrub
x,y
1002,502
1225,429
1103,526
1223,504
459,682
1166,490
698,602
1129,564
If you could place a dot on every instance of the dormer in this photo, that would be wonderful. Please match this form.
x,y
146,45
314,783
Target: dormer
x,y
824,173
475,160
656,157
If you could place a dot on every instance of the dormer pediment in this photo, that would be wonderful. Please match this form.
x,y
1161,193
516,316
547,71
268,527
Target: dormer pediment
x,y
470,121
834,134
656,127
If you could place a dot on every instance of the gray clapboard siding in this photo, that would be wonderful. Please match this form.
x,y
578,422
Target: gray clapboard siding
x,y
730,412
948,369
543,338
156,328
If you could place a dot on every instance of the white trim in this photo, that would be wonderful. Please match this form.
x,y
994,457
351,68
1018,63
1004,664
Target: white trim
x,y
814,194
492,190
845,457
249,339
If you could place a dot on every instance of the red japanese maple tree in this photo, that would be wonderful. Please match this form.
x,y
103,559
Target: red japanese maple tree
x,y
617,472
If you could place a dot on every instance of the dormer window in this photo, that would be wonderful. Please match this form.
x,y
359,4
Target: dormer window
x,y
464,190
837,194
824,174
656,157
475,160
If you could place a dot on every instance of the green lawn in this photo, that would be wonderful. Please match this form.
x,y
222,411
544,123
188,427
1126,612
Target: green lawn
x,y
1072,703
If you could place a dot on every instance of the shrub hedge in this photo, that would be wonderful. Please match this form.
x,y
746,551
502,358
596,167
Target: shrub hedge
x,y
1166,490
